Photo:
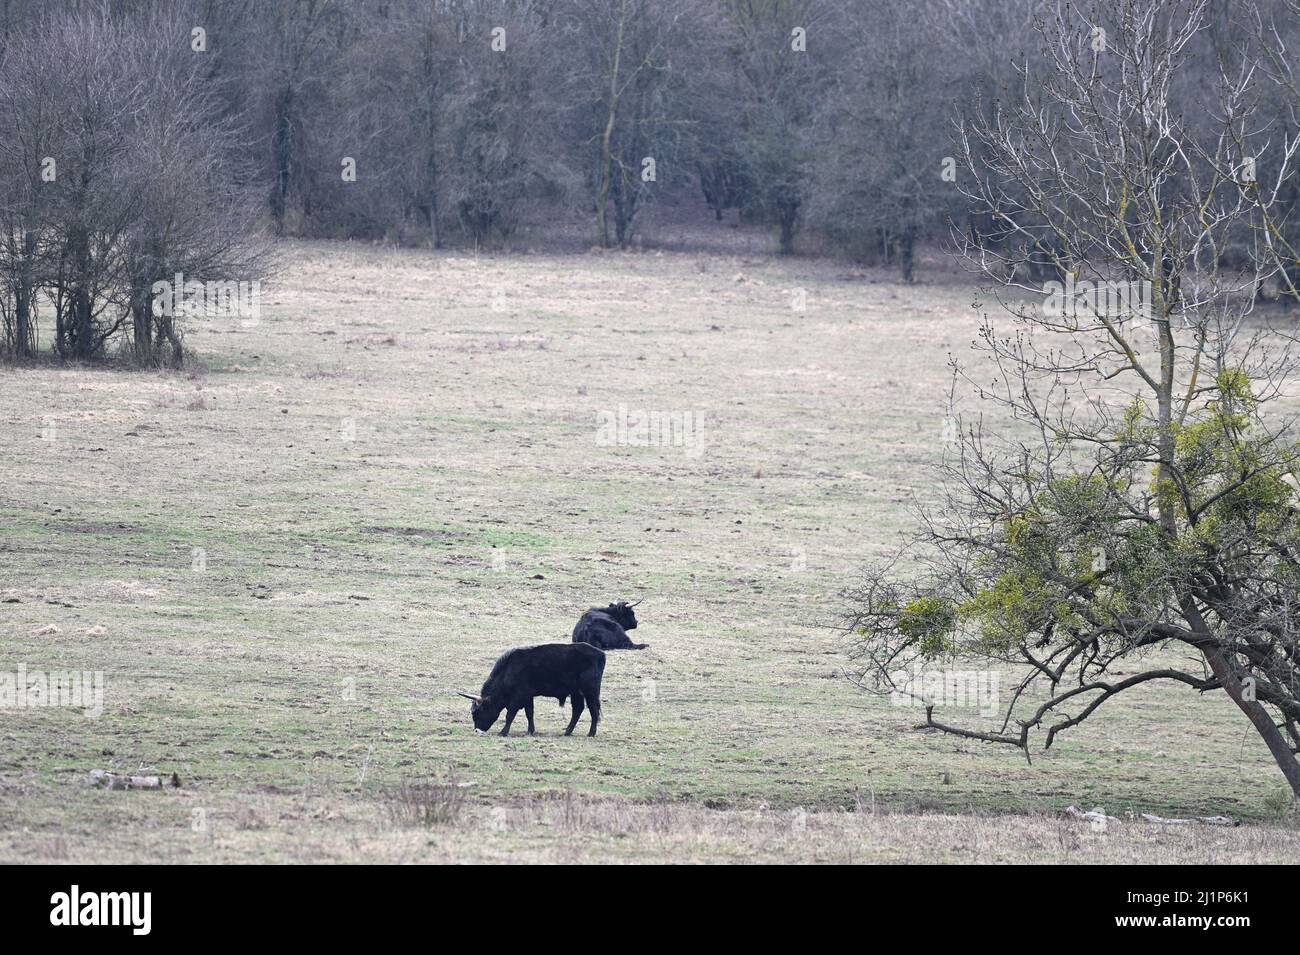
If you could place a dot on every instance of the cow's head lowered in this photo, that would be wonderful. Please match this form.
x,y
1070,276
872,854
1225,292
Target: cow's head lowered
x,y
482,710
622,612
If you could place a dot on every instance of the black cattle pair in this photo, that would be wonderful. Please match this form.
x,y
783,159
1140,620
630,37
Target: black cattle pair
x,y
562,670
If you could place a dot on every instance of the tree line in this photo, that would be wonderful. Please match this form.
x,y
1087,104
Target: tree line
x,y
141,139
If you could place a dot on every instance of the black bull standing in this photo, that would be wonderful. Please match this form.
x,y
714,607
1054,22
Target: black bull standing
x,y
561,670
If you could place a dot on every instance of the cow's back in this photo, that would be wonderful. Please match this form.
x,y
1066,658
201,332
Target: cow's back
x,y
593,628
549,669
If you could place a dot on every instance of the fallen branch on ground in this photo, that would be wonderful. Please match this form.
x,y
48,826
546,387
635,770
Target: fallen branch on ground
x,y
106,780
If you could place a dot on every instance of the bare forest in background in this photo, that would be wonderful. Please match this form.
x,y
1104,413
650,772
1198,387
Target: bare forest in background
x,y
140,139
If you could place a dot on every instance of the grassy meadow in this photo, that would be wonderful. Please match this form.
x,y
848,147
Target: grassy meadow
x,y
286,558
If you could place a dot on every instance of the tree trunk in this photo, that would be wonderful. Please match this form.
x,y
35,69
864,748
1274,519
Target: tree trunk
x,y
1165,503
434,237
80,331
907,257
141,334
788,212
431,65
1255,712
283,159
602,193
622,213
607,138
142,326
24,322
167,331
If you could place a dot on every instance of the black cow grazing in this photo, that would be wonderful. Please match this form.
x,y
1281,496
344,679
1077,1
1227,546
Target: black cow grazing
x,y
552,669
607,628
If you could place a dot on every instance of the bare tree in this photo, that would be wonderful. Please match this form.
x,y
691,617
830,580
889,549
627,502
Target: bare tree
x,y
95,196
502,116
122,172
1142,495
195,216
298,65
878,182
632,89
1276,33
784,55
29,113
409,49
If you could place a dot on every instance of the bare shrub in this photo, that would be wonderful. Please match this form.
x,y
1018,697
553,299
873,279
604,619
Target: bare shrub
x,y
1283,805
425,803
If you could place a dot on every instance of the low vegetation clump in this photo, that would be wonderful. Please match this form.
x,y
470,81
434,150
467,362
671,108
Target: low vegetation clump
x,y
426,803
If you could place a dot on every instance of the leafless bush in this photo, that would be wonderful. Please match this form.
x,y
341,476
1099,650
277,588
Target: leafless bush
x,y
425,803
117,173
1282,804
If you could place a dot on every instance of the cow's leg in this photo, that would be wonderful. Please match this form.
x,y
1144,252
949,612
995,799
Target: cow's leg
x,y
528,712
510,716
577,711
590,683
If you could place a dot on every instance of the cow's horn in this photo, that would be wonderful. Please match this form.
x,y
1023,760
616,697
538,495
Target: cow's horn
x,y
638,603
468,696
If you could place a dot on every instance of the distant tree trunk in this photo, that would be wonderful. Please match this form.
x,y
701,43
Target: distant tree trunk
x,y
435,238
142,322
167,331
607,137
624,210
283,158
79,330
907,254
81,324
430,110
24,323
602,193
788,215
142,330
